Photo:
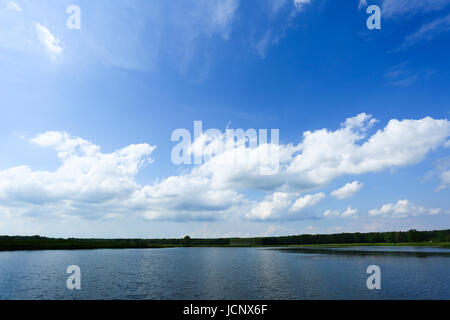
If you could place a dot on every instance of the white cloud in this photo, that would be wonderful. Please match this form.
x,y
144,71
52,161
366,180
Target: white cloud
x,y
276,31
324,155
88,182
402,209
401,75
93,184
223,13
441,169
361,122
182,32
331,213
276,5
306,201
272,207
274,229
392,8
347,213
445,178
362,3
185,197
50,42
300,4
14,6
209,230
428,31
348,190
266,41
65,144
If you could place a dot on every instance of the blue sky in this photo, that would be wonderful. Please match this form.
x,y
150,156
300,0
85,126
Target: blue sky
x,y
87,116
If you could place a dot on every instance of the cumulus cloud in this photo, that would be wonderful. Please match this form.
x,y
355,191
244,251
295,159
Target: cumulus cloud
x,y
347,213
402,209
65,144
306,201
324,155
348,190
272,207
88,182
185,197
51,43
94,184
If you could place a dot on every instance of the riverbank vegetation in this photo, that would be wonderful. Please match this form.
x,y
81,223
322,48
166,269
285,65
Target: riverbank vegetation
x,y
412,237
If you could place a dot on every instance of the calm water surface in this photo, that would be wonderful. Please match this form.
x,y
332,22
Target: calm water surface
x,y
226,273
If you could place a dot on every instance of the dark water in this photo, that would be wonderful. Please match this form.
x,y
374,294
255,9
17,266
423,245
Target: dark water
x,y
226,273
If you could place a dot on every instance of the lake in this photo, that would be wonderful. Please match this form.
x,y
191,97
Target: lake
x,y
227,273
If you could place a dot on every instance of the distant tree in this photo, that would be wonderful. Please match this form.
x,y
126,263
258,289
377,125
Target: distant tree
x,y
389,237
187,241
414,235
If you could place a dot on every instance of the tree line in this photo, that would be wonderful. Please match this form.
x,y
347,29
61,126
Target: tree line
x,y
43,243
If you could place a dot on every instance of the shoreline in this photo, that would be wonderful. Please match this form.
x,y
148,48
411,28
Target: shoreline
x,y
442,245
434,238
